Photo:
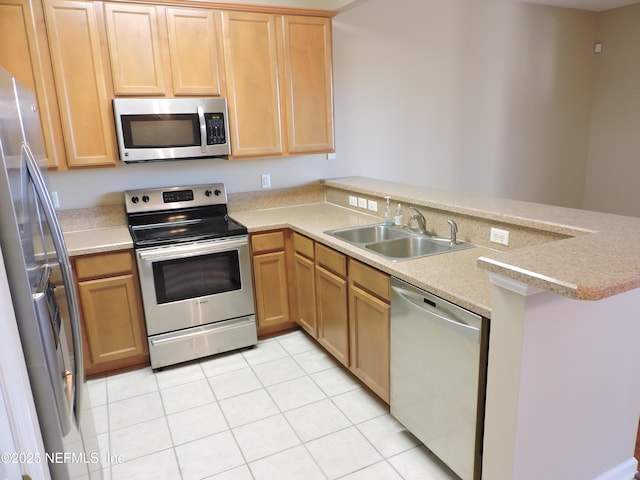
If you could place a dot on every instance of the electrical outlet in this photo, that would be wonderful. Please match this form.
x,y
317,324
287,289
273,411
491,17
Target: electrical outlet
x,y
265,180
331,156
372,205
353,201
362,202
499,236
55,199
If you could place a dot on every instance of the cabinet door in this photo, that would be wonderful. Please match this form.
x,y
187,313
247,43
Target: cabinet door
x,y
22,28
272,301
81,82
369,335
193,46
306,294
113,318
308,80
251,64
134,49
331,303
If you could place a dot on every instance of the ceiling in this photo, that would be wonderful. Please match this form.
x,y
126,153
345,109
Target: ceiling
x,y
595,5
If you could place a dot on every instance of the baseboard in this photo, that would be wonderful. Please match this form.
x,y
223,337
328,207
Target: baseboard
x,y
623,471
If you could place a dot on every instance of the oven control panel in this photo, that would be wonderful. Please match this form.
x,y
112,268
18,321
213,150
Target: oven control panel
x,y
171,198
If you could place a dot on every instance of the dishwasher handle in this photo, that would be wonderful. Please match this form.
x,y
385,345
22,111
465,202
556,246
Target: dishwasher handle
x,y
419,302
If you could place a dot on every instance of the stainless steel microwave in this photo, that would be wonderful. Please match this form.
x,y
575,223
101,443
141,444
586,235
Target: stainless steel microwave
x,y
154,129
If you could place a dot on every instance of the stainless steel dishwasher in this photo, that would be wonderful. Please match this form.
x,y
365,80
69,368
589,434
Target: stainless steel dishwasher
x,y
438,374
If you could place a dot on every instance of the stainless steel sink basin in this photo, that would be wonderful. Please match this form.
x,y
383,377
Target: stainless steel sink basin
x,y
369,233
395,243
414,246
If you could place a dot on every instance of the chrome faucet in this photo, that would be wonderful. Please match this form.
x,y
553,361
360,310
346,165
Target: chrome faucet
x,y
419,218
454,231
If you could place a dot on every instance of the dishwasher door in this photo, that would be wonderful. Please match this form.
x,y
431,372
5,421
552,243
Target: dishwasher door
x,y
436,370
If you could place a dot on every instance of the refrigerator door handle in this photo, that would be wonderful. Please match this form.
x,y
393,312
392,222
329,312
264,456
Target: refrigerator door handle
x,y
67,276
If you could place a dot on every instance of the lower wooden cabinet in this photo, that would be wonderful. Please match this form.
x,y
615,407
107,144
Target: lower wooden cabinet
x,y
344,304
331,302
305,283
369,327
114,334
270,264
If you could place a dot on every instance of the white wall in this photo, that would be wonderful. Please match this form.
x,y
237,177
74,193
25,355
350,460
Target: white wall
x,y
93,187
614,150
487,97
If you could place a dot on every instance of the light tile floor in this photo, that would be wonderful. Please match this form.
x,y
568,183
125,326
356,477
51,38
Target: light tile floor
x,y
284,410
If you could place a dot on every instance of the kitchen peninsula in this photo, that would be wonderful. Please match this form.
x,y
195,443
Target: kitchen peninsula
x,y
563,392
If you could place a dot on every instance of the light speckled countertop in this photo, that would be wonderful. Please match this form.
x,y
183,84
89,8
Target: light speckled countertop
x,y
601,259
98,240
454,276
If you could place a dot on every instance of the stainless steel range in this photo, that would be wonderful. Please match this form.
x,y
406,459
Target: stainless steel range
x,y
195,272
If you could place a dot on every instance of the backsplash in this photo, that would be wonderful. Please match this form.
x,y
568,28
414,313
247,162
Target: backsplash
x,y
105,216
284,197
470,229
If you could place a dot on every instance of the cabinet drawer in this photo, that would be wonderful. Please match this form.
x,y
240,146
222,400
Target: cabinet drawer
x,y
267,242
369,279
331,260
104,264
303,245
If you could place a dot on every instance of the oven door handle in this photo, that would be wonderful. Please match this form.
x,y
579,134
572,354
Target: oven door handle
x,y
190,250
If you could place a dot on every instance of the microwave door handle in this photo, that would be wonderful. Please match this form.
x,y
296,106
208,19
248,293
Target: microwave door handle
x,y
203,130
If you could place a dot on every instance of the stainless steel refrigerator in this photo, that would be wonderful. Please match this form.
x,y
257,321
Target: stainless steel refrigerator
x,y
42,291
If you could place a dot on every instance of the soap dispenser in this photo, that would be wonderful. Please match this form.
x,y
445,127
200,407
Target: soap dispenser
x,y
398,217
387,212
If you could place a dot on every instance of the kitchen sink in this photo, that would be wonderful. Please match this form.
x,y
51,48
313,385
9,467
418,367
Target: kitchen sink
x,y
396,243
369,233
415,246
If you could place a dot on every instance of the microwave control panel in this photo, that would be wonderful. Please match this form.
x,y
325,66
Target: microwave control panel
x,y
215,129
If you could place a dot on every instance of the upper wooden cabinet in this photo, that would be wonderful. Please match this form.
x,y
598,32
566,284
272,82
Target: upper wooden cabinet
x,y
308,84
80,68
193,46
279,83
163,51
253,83
134,49
25,54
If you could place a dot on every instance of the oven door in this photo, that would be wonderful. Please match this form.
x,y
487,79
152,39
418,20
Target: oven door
x,y
195,284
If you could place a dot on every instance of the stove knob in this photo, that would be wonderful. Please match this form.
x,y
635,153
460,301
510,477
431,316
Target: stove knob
x,y
135,199
218,192
207,193
145,198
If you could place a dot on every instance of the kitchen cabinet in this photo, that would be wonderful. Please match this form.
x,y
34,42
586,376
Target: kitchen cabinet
x,y
331,302
345,305
279,83
253,83
305,284
111,311
271,281
369,327
308,84
134,49
80,67
26,57
194,44
157,50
